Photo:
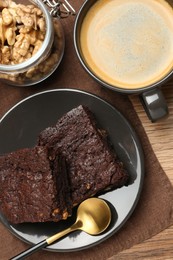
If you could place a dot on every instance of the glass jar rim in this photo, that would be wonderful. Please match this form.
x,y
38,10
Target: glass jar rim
x,y
48,40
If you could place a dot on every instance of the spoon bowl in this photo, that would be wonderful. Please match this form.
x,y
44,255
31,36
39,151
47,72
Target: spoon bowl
x,y
93,217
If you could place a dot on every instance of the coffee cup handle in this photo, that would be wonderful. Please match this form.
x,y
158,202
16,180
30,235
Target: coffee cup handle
x,y
154,104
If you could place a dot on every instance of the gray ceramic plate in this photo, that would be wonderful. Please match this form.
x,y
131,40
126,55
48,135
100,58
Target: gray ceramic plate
x,y
20,127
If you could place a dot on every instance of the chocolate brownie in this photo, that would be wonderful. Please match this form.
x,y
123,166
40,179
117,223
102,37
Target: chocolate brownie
x,y
92,164
34,186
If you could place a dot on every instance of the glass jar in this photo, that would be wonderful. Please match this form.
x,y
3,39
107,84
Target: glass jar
x,y
44,61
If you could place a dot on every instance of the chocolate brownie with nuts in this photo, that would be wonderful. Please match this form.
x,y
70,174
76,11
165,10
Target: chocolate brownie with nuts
x,y
34,186
92,164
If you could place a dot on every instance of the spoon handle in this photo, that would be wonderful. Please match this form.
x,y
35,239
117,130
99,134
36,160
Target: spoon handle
x,y
30,250
47,241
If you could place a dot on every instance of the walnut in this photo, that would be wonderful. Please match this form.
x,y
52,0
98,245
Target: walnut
x,y
22,32
19,27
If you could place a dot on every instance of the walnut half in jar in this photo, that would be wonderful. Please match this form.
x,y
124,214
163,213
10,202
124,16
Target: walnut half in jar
x,y
22,34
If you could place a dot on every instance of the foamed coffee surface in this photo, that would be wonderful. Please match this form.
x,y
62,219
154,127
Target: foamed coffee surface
x,y
128,43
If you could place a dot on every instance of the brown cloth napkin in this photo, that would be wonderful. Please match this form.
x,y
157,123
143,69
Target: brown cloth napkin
x,y
154,211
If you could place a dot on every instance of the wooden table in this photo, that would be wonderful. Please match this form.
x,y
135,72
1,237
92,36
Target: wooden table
x,y
160,134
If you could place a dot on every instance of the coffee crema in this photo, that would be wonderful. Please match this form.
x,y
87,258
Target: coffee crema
x,y
128,43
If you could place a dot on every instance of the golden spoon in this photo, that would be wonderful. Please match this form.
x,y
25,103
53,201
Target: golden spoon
x,y
93,217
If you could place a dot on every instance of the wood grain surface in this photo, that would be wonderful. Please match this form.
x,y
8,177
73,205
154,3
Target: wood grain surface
x,y
159,247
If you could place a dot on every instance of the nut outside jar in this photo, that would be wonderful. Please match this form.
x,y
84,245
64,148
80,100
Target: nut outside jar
x,y
31,42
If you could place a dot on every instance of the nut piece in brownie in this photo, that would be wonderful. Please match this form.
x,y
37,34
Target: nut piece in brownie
x,y
34,186
92,164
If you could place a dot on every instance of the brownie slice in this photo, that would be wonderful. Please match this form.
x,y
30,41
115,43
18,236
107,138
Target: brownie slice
x,y
34,186
92,164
